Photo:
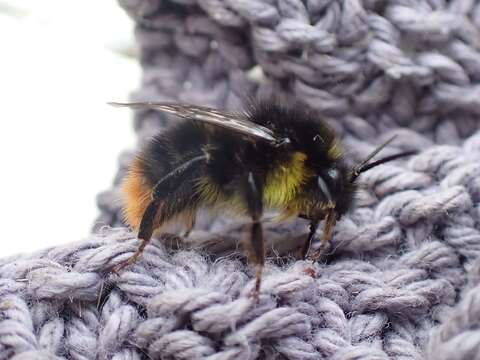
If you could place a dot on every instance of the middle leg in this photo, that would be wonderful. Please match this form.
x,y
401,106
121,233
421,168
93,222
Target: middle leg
x,y
255,244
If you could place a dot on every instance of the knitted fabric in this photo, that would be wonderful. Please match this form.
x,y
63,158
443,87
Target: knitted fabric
x,y
403,278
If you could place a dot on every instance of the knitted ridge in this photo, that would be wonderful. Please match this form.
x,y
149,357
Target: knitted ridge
x,y
403,278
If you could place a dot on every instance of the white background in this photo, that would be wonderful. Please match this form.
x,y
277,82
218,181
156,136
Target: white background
x,y
60,62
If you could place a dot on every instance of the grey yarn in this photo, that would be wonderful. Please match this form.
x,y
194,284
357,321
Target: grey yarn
x,y
403,278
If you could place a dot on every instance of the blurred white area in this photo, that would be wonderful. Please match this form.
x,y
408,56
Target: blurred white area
x,y
60,62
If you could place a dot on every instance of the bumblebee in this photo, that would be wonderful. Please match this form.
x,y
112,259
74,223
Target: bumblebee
x,y
270,156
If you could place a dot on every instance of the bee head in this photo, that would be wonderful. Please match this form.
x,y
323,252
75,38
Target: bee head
x,y
336,183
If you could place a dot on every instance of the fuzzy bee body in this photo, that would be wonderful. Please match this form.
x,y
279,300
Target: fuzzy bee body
x,y
286,174
269,157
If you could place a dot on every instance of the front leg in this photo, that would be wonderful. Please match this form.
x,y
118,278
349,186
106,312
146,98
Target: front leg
x,y
312,227
330,220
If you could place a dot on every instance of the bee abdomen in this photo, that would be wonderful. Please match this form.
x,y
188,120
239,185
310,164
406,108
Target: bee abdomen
x,y
136,195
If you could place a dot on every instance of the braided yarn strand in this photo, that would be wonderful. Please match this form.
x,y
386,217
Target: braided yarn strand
x,y
403,279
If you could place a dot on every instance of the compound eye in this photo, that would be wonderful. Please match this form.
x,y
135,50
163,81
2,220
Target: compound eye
x,y
335,179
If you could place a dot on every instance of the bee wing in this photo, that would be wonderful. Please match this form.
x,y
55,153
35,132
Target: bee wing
x,y
235,122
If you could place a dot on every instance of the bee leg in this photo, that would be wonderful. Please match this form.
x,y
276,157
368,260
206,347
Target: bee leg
x,y
255,244
306,246
190,226
258,247
175,193
330,220
144,234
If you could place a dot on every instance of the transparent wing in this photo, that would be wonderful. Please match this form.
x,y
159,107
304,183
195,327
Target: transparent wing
x,y
231,121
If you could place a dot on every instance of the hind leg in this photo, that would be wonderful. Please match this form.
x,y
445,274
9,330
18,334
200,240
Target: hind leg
x,y
170,196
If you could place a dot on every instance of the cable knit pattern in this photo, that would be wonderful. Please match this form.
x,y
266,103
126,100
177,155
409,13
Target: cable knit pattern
x,y
402,278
